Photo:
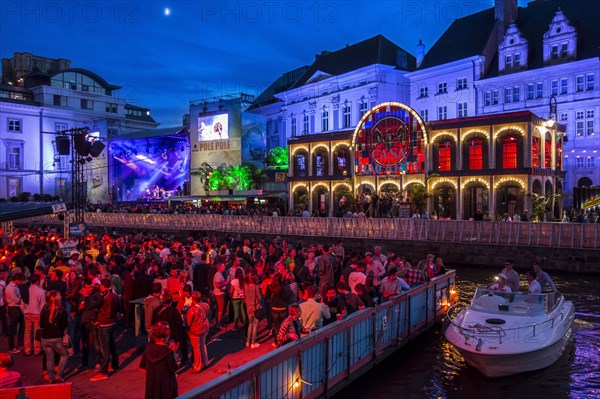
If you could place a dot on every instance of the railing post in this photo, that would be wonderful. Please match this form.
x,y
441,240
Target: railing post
x,y
327,365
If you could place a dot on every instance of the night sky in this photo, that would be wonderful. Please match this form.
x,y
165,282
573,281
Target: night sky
x,y
165,59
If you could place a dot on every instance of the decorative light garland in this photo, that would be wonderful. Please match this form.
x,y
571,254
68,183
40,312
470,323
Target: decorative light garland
x,y
512,128
475,180
319,146
368,183
444,180
394,182
473,131
298,186
441,134
319,185
406,184
336,185
339,145
510,179
298,149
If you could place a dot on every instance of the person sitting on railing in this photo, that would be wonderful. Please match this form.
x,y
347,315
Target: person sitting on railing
x,y
543,278
500,284
291,327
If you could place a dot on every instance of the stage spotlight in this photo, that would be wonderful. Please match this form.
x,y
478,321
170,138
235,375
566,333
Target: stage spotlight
x,y
82,161
82,146
89,159
96,148
63,145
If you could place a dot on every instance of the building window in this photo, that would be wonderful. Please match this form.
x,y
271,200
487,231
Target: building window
x,y
579,162
346,115
589,127
444,156
14,125
362,108
461,83
442,113
564,117
300,165
488,98
425,115
589,81
579,128
293,125
60,127
554,86
87,104
564,50
584,122
509,152
517,60
14,155
508,95
579,83
540,90
548,153
442,88
324,120
60,101
305,124
536,153
508,63
530,91
563,86
462,110
423,92
320,165
476,154
554,52
111,108
589,162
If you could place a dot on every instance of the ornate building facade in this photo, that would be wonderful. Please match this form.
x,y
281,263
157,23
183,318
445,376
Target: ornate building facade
x,y
491,164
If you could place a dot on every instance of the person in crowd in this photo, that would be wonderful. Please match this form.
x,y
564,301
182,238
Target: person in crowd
x,y
534,285
313,311
197,318
8,378
31,311
335,304
392,285
543,278
351,300
53,322
279,300
219,291
106,321
90,301
158,364
364,296
253,302
374,266
414,276
169,314
512,277
151,302
237,297
291,327
357,277
16,322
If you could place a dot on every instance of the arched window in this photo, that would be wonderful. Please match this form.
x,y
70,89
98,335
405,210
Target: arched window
x,y
509,152
320,164
444,156
300,164
342,160
475,154
548,151
536,152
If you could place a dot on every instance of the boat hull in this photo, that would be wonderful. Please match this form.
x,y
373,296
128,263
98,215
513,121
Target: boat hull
x,y
494,366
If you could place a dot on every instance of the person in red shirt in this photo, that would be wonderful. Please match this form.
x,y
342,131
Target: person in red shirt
x,y
8,379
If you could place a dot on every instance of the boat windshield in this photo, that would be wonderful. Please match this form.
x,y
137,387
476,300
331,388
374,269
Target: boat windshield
x,y
515,303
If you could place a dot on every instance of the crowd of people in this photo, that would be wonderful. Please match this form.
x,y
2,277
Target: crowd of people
x,y
508,280
63,299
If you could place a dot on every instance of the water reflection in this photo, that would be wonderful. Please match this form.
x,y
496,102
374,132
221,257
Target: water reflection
x,y
430,367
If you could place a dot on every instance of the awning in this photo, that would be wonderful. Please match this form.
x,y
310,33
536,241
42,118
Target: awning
x,y
19,210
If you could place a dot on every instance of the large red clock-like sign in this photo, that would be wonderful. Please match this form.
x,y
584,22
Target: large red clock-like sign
x,y
388,141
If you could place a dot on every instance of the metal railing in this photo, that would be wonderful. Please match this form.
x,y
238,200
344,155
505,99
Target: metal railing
x,y
323,362
561,235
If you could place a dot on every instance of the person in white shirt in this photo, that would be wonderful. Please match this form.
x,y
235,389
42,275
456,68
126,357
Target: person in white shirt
x,y
500,285
31,310
534,286
357,277
313,312
374,266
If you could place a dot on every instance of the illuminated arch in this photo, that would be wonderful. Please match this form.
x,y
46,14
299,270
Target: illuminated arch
x,y
475,180
300,185
443,181
315,148
475,131
504,180
389,104
336,185
393,182
366,183
298,149
408,183
320,185
443,134
340,145
508,130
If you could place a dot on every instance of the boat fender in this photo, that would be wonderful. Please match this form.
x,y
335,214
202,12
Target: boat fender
x,y
445,325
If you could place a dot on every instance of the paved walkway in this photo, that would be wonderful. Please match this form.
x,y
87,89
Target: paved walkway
x,y
226,350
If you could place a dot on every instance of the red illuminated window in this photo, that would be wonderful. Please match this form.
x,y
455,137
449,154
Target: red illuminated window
x,y
509,152
475,154
548,153
536,153
444,156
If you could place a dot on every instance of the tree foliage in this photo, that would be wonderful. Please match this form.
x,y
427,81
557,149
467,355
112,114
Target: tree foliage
x,y
278,158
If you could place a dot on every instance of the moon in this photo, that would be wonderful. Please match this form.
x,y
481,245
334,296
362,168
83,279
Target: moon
x,y
167,12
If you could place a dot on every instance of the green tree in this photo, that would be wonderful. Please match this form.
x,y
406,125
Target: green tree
x,y
278,158
543,203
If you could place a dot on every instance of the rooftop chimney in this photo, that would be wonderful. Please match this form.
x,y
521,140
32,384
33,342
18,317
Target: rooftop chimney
x,y
505,12
420,52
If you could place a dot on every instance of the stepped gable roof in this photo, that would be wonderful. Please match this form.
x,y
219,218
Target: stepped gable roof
x,y
376,50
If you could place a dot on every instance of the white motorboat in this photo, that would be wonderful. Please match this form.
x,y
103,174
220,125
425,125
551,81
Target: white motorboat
x,y
502,334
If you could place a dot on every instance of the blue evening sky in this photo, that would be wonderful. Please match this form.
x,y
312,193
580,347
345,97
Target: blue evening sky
x,y
206,49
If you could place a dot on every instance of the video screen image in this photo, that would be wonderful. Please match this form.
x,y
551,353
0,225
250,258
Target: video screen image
x,y
213,127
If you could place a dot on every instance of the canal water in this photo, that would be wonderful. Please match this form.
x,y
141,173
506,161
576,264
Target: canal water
x,y
429,367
